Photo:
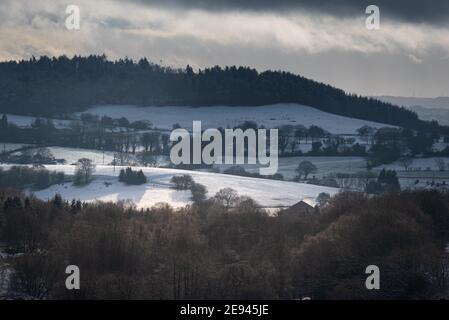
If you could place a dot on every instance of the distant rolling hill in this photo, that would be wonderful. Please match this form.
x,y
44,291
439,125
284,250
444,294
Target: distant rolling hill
x,y
427,108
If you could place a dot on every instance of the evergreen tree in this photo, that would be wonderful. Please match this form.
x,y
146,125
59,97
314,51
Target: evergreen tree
x,y
389,181
121,176
129,176
57,201
4,122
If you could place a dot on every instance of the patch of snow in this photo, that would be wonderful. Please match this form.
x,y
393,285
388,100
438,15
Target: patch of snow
x,y
439,146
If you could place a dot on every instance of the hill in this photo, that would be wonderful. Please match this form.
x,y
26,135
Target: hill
x,y
48,86
436,103
428,109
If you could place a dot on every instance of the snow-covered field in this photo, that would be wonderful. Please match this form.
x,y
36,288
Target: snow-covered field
x,y
421,164
422,173
105,187
325,165
98,157
221,116
72,155
26,121
286,166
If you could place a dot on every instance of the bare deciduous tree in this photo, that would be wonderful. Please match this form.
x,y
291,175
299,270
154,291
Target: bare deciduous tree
x,y
305,168
441,164
227,197
406,162
83,171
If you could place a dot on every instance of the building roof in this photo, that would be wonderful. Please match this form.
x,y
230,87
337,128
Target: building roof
x,y
300,207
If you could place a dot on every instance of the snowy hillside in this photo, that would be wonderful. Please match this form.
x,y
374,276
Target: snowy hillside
x,y
213,117
105,187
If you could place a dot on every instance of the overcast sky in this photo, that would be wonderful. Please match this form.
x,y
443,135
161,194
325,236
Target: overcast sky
x,y
324,40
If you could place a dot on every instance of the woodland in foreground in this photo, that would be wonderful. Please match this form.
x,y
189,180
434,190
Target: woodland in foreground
x,y
215,250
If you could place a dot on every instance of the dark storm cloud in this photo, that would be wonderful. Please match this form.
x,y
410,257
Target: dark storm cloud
x,y
417,11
